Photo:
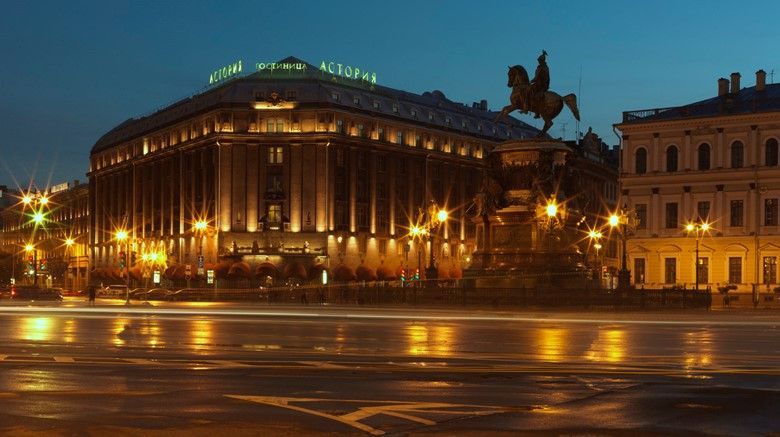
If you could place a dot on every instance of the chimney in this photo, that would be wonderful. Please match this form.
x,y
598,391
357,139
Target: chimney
x,y
760,80
735,83
483,104
723,86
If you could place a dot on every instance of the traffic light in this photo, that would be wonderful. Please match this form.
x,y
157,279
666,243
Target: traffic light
x,y
403,275
43,264
121,260
416,274
30,264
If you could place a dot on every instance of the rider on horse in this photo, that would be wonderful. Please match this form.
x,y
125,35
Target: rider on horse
x,y
539,85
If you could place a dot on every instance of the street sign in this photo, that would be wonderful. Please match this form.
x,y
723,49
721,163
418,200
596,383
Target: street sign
x,y
210,276
156,277
188,271
201,264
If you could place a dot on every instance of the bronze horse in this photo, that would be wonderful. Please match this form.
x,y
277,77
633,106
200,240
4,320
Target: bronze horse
x,y
548,107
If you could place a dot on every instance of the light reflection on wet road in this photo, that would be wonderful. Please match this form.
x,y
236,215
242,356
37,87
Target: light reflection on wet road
x,y
542,360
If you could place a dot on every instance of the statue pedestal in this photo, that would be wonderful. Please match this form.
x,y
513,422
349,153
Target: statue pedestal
x,y
519,245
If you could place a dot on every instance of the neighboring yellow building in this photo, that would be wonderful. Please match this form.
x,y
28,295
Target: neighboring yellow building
x,y
714,162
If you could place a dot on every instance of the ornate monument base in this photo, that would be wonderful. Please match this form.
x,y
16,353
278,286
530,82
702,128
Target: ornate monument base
x,y
526,232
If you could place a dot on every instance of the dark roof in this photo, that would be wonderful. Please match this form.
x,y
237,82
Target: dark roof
x,y
314,87
746,101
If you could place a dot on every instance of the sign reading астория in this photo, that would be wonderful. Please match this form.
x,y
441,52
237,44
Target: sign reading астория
x,y
327,67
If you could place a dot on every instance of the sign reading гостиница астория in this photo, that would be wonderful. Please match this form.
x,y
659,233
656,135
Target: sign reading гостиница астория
x,y
327,67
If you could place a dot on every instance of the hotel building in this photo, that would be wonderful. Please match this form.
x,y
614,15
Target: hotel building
x,y
293,167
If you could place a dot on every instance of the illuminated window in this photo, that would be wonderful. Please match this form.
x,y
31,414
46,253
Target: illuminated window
x,y
275,155
770,212
735,270
770,270
275,125
274,216
670,270
399,137
736,213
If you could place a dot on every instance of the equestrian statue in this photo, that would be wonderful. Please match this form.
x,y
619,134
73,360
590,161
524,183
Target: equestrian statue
x,y
535,95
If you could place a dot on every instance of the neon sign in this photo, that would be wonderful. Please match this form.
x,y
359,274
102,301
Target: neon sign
x,y
280,66
348,71
226,72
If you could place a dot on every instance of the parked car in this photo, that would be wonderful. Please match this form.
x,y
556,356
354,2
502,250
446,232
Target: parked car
x,y
31,292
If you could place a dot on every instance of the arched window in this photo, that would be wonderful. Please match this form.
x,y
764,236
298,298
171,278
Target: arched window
x,y
771,152
641,161
737,154
671,158
704,156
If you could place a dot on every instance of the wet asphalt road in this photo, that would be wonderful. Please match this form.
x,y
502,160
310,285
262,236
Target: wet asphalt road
x,y
197,369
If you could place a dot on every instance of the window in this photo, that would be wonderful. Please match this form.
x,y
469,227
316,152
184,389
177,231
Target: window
x,y
703,270
356,100
737,154
274,183
361,131
770,270
671,159
641,215
704,156
275,155
275,125
736,213
639,270
703,210
735,270
641,161
340,126
362,216
399,137
770,212
670,270
671,215
771,152
274,215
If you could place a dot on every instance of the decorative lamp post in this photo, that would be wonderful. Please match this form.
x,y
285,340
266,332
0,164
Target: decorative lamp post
x,y
624,222
698,229
69,242
30,248
122,236
434,218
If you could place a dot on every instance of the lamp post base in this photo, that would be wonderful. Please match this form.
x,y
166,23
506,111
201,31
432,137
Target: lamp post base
x,y
624,279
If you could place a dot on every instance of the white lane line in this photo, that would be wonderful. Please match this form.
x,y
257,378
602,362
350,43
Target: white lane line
x,y
398,316
64,359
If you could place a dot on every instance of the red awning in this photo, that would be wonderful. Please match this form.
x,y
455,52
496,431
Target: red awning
x,y
266,269
343,273
385,273
239,270
294,269
364,273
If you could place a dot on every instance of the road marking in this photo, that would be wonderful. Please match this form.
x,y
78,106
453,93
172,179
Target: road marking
x,y
64,359
401,410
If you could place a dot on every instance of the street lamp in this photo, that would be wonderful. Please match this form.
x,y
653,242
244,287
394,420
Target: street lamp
x,y
123,236
434,218
30,248
68,244
623,221
698,229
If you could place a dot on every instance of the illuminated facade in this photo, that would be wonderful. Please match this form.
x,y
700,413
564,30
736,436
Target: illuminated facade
x,y
59,238
712,163
294,167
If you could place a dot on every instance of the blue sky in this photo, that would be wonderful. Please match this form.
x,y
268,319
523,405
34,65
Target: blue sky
x,y
70,71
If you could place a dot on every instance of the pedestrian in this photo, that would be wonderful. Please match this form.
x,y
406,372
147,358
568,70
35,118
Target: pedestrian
x,y
91,290
304,299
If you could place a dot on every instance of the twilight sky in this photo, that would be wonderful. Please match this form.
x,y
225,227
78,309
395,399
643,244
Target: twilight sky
x,y
72,70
